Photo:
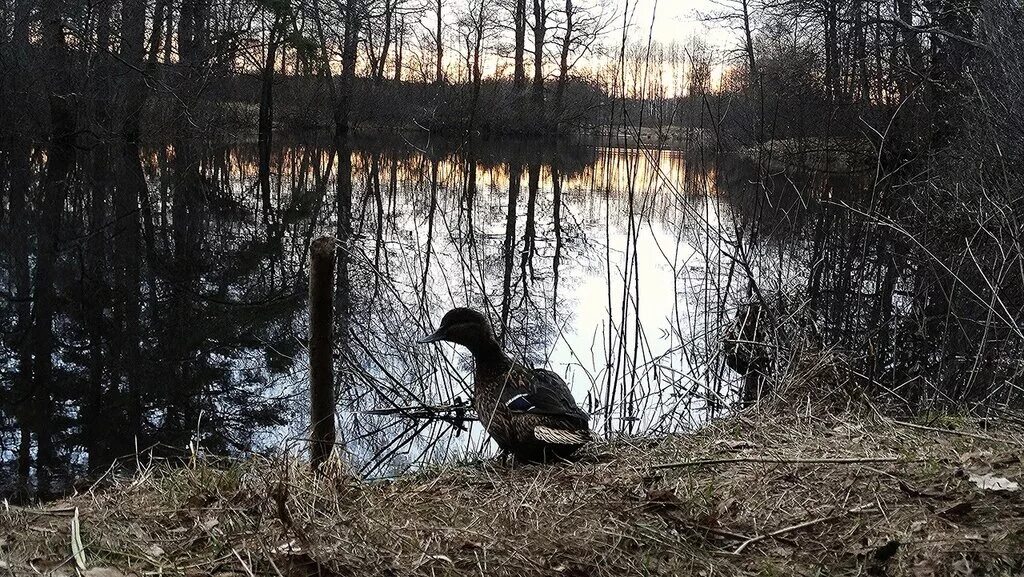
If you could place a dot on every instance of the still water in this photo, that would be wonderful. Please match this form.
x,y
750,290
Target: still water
x,y
174,278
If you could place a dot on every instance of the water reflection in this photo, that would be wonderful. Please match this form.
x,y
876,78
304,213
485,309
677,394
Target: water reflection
x,y
155,297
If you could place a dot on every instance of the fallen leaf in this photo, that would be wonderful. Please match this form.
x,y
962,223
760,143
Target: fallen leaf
x,y
441,558
990,482
727,507
958,510
980,456
915,492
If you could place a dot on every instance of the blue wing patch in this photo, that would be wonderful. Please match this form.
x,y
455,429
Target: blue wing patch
x,y
520,403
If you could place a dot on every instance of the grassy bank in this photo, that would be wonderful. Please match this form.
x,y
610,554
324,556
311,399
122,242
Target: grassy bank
x,y
754,494
825,155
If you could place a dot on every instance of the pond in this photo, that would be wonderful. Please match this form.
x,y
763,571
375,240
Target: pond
x,y
175,280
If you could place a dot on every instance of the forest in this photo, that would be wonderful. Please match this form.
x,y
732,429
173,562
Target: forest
x,y
847,173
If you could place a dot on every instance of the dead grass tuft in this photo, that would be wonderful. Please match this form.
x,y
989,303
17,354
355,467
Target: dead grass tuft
x,y
793,493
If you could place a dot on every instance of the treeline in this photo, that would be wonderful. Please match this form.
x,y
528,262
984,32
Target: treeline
x,y
206,63
918,282
793,69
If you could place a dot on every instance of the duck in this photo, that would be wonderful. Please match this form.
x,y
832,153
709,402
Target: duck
x,y
530,413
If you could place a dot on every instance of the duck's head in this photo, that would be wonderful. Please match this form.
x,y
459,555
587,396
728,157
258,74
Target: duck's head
x,y
464,327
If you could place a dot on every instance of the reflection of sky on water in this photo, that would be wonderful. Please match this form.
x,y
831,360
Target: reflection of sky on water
x,y
630,383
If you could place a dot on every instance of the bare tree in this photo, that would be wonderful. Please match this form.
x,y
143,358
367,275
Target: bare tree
x,y
540,29
519,25
439,42
582,27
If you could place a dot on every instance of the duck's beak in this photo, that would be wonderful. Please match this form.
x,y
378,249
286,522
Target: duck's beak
x,y
437,336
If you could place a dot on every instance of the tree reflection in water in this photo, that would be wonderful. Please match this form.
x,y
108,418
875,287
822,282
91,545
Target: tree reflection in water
x,y
157,299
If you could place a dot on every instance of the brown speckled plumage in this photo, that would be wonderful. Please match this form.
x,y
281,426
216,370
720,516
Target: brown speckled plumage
x,y
529,412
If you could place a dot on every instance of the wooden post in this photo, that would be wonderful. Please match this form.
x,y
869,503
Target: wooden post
x,y
321,369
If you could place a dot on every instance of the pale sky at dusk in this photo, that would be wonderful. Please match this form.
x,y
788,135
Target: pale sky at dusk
x,y
674,20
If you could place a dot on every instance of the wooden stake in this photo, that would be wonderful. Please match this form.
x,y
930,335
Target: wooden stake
x,y
321,335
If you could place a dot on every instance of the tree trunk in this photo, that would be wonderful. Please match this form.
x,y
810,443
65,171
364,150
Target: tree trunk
x,y
748,42
131,189
168,34
911,47
54,193
755,78
530,231
350,46
160,14
20,248
266,119
515,171
862,88
431,211
16,84
399,47
133,52
556,201
389,14
439,73
539,31
95,433
477,76
343,288
832,80
519,76
563,65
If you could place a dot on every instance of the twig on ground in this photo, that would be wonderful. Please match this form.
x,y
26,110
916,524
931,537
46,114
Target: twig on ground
x,y
798,526
245,566
796,460
955,432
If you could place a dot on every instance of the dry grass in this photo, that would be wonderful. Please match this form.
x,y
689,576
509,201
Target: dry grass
x,y
872,496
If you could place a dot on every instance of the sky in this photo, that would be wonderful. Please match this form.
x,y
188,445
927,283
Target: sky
x,y
673,20
665,20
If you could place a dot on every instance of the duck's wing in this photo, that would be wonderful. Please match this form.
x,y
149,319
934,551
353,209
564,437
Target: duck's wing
x,y
548,395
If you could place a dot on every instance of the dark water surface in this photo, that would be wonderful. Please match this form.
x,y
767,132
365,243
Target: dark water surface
x,y
156,297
